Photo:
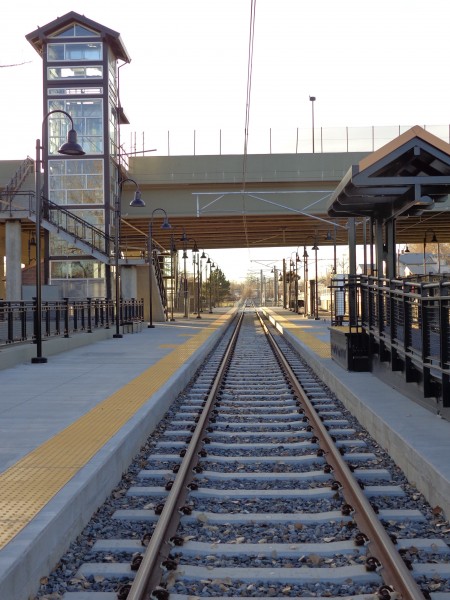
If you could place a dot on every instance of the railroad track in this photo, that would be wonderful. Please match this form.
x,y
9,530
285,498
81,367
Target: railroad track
x,y
259,483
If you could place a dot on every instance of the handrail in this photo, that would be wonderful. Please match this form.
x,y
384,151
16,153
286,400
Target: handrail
x,y
407,324
65,220
160,279
62,318
97,239
19,177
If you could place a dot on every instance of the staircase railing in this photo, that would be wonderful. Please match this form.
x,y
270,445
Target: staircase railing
x,y
160,280
77,227
19,177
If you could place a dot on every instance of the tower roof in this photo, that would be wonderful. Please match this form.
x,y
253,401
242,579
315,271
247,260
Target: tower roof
x,y
111,37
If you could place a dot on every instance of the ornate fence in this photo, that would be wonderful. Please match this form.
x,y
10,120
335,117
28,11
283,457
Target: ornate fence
x,y
63,318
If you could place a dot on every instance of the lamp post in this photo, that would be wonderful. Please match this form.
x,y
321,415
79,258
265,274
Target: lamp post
x,y
164,225
328,238
200,283
316,293
196,258
312,99
195,252
405,250
185,286
305,282
70,148
135,203
434,240
297,260
173,250
184,239
316,283
211,267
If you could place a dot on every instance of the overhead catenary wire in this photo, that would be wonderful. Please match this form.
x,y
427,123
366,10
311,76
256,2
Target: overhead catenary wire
x,y
251,39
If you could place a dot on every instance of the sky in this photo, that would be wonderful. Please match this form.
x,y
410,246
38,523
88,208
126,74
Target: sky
x,y
380,62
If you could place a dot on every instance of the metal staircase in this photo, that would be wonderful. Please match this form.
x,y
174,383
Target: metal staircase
x,y
56,219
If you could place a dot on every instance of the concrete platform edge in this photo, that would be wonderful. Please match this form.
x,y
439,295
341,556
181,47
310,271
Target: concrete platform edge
x,y
403,428
35,550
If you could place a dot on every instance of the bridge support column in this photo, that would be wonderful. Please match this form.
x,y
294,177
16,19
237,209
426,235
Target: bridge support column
x,y
13,251
2,263
128,284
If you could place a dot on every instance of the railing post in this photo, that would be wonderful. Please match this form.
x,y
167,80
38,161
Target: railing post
x,y
393,300
47,319
66,317
23,320
101,305
75,316
410,371
57,318
35,320
96,314
108,312
425,331
444,326
89,315
10,314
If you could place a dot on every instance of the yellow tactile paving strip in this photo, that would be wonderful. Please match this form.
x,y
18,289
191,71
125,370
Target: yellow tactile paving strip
x,y
317,345
29,484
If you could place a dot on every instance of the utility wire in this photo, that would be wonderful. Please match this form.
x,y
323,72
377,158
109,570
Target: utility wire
x,y
251,38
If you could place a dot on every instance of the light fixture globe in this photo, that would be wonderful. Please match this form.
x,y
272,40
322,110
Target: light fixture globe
x,y
71,147
137,201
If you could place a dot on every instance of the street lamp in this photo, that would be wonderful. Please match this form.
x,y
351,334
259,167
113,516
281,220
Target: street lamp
x,y
211,266
200,283
185,285
316,283
164,225
313,99
297,260
329,238
316,293
434,240
291,279
137,202
195,251
305,281
70,148
173,251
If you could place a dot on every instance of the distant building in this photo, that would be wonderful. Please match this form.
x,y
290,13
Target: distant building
x,y
415,263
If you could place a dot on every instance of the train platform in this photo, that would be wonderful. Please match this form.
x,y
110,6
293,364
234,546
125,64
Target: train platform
x,y
70,427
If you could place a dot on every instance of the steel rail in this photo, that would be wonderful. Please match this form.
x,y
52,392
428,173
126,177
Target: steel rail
x,y
149,574
392,569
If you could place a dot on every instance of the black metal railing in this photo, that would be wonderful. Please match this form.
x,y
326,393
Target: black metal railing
x,y
25,168
62,318
59,218
81,230
408,324
160,279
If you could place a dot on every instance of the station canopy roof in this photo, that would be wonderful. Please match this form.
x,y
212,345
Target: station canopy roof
x,y
406,177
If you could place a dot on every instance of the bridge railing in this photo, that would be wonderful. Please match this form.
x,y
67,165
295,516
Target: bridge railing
x,y
62,318
274,140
